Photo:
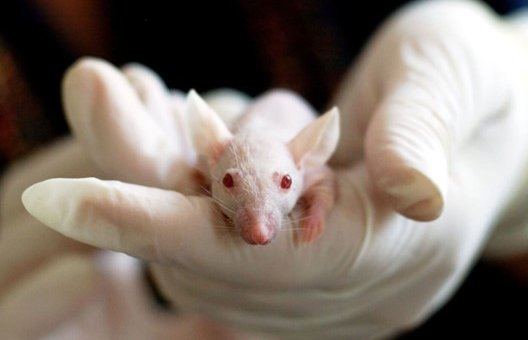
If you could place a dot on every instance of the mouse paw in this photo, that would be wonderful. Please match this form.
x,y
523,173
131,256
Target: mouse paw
x,y
317,201
313,225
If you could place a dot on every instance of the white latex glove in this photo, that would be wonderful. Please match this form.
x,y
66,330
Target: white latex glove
x,y
52,287
132,126
439,99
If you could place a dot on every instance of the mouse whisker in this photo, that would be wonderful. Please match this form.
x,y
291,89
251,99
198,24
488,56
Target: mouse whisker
x,y
219,202
230,229
223,205
206,190
303,218
289,224
291,228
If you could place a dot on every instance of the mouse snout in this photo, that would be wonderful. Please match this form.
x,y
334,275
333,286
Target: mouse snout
x,y
257,227
257,234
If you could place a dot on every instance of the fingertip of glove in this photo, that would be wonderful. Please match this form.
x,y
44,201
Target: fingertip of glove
x,y
86,68
413,194
78,84
30,197
88,63
428,209
36,201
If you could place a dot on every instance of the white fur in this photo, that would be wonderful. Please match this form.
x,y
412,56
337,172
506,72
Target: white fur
x,y
277,136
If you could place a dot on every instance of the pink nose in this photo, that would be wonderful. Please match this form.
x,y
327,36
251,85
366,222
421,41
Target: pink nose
x,y
257,234
256,226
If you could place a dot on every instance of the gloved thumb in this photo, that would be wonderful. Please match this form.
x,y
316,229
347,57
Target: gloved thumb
x,y
424,96
407,152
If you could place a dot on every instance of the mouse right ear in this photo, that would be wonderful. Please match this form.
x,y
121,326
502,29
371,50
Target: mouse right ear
x,y
209,133
314,144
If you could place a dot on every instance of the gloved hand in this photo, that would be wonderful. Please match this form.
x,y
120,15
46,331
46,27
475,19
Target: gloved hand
x,y
433,120
56,288
133,128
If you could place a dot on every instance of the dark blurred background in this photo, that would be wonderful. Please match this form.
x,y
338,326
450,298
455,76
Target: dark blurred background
x,y
304,45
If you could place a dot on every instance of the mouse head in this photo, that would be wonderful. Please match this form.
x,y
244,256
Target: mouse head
x,y
257,180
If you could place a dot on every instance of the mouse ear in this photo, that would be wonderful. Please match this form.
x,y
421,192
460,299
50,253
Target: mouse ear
x,y
315,143
209,133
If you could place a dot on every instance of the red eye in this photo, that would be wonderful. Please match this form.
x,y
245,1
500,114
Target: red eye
x,y
228,181
286,182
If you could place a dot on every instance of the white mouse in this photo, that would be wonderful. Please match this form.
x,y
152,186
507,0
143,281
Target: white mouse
x,y
274,159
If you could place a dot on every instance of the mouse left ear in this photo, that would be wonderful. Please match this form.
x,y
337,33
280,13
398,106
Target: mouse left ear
x,y
315,143
209,133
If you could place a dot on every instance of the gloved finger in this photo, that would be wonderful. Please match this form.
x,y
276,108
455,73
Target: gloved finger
x,y
433,96
141,221
154,95
166,107
115,128
188,232
48,297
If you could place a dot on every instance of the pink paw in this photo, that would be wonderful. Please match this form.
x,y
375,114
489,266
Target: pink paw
x,y
313,226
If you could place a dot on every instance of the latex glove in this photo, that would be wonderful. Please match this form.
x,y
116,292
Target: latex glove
x,y
447,86
55,288
138,122
438,98
509,241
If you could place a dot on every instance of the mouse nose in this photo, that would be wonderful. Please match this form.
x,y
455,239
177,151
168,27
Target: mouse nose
x,y
258,234
257,228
